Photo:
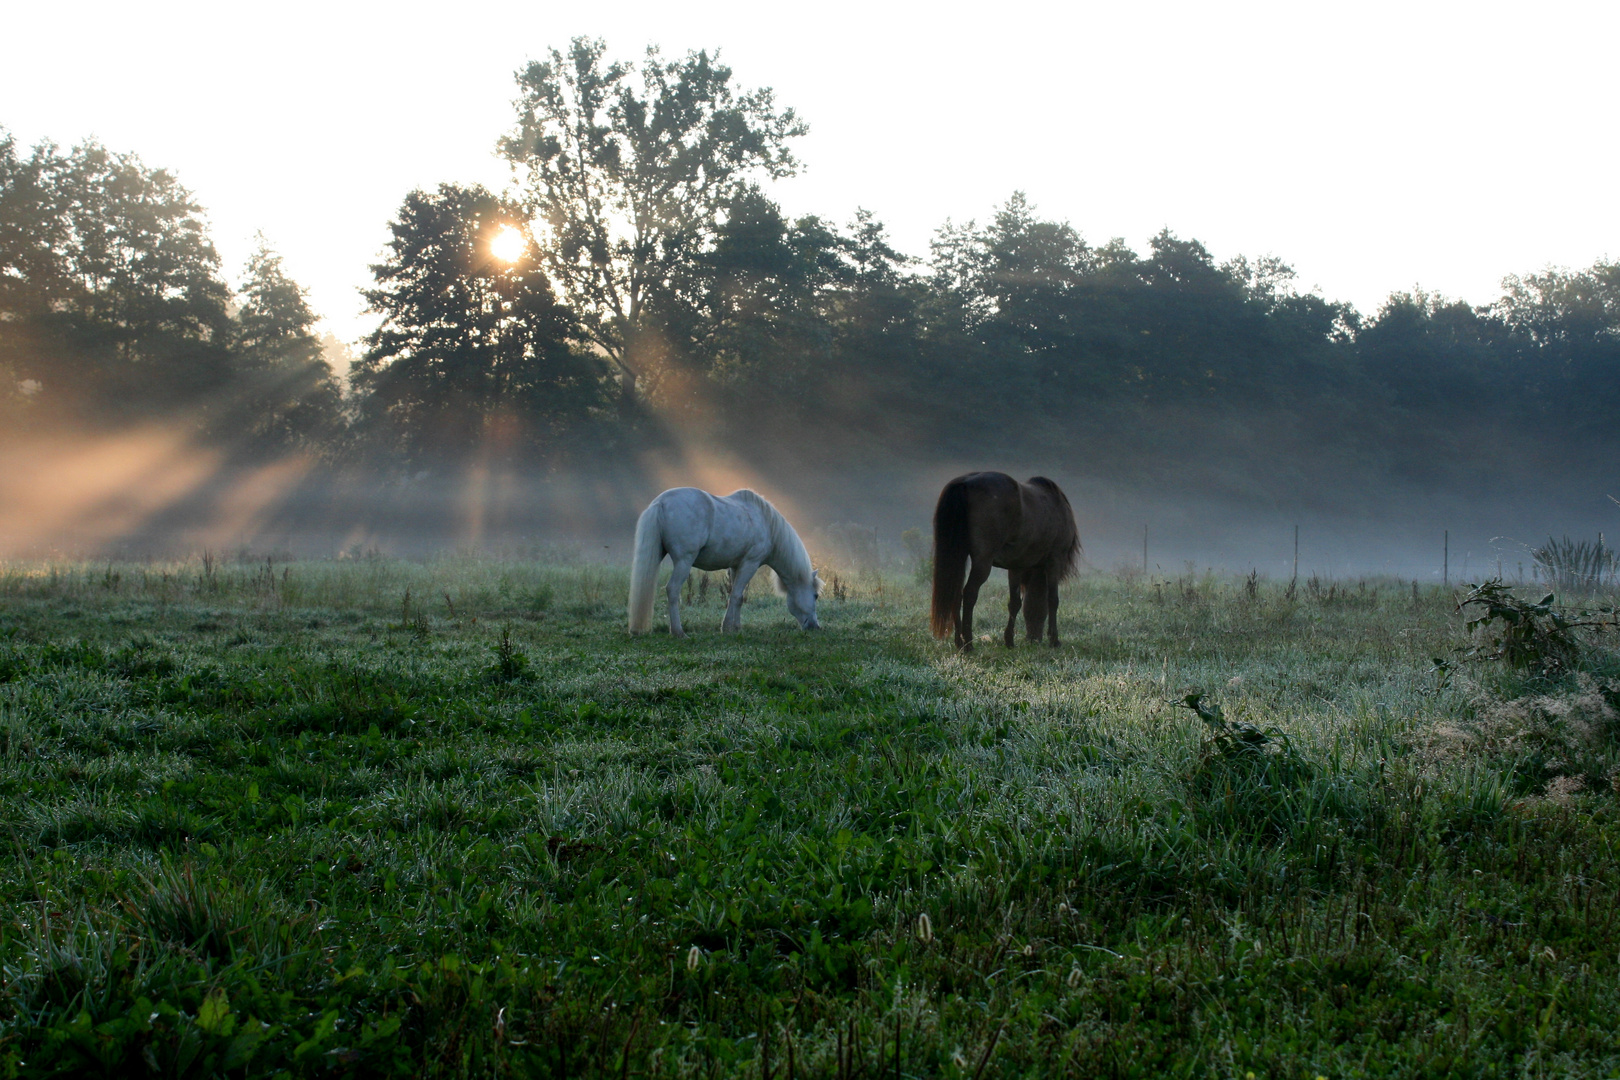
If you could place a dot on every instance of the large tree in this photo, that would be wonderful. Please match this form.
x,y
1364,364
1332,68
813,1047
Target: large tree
x,y
633,179
290,398
30,275
473,354
1562,330
762,328
32,232
109,285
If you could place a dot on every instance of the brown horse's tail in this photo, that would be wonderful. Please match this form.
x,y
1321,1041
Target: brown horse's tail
x,y
950,557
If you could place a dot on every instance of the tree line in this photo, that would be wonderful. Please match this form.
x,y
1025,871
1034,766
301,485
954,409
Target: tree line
x,y
638,277
113,310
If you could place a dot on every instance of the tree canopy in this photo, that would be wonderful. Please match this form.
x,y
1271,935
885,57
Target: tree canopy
x,y
112,295
290,397
649,264
633,180
474,352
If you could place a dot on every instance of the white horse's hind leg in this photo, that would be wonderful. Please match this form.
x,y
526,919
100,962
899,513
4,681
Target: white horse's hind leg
x,y
740,578
679,570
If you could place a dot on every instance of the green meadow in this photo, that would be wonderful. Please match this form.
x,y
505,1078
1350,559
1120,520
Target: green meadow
x,y
373,817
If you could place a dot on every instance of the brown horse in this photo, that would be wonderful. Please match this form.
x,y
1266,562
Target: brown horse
x,y
994,520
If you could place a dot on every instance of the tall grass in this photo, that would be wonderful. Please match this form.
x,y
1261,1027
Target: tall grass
x,y
448,818
1574,565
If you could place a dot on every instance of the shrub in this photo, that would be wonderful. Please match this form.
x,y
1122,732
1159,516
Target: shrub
x,y
1523,634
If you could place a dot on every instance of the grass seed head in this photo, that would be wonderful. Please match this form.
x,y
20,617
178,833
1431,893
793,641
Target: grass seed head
x,y
694,958
925,928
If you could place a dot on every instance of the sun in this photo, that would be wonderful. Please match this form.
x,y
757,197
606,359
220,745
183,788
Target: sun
x,y
508,244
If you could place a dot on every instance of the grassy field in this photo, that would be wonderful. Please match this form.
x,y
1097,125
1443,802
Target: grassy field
x,y
375,816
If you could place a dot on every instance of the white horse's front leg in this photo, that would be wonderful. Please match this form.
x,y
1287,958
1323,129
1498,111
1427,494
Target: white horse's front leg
x,y
739,585
679,569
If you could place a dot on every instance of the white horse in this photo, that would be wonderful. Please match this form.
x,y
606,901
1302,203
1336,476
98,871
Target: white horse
x,y
739,532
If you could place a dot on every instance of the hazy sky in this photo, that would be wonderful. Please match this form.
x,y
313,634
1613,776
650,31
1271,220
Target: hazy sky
x,y
1373,146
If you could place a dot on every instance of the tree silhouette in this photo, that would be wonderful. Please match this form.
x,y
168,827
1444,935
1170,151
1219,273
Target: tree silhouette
x,y
473,353
110,285
289,397
634,184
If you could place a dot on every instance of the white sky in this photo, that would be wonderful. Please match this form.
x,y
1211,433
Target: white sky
x,y
1374,146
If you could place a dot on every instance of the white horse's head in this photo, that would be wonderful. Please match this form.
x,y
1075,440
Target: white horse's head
x,y
801,599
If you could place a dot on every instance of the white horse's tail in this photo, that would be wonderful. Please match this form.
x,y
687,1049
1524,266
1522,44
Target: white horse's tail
x,y
649,552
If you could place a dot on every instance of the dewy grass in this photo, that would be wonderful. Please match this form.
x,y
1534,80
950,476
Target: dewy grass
x,y
280,818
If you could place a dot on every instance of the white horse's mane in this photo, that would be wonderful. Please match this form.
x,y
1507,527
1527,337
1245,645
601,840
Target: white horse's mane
x,y
784,541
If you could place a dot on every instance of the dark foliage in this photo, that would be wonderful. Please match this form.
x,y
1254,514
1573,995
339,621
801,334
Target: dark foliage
x,y
473,356
112,304
1535,635
113,311
663,262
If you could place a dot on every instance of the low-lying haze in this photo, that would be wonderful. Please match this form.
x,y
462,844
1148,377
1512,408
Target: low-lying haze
x,y
153,494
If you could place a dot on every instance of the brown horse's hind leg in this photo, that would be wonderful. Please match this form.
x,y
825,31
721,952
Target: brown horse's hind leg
x,y
1051,607
1015,600
1035,595
970,596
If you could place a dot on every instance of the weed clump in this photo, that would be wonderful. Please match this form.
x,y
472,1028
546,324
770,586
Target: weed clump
x,y
1553,724
209,918
1233,738
1574,565
1565,737
539,599
510,664
839,588
1524,634
414,620
1247,780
